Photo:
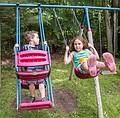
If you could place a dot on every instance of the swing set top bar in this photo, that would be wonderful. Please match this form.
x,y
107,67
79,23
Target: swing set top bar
x,y
58,6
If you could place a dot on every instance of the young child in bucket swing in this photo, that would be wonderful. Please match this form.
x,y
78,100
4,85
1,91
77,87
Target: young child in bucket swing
x,y
85,60
32,38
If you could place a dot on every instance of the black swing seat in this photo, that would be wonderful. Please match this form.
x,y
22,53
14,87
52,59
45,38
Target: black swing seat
x,y
31,58
84,76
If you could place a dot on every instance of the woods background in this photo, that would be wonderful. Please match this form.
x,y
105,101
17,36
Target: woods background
x,y
105,25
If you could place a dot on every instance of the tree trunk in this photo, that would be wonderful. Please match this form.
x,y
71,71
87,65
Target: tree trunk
x,y
115,26
108,28
108,31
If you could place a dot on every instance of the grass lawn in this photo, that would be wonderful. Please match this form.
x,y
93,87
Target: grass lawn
x,y
82,90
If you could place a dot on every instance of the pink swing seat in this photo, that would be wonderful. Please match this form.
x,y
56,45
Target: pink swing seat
x,y
35,105
31,58
84,76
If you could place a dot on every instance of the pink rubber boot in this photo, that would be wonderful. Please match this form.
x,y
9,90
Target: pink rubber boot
x,y
92,65
109,61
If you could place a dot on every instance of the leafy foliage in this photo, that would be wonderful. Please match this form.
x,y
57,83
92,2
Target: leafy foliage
x,y
70,27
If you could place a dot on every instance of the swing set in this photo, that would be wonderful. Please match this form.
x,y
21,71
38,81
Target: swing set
x,y
33,58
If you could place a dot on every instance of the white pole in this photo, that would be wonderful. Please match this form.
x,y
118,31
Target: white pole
x,y
98,98
97,87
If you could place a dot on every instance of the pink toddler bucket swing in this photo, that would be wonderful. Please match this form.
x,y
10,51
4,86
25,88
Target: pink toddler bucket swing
x,y
31,58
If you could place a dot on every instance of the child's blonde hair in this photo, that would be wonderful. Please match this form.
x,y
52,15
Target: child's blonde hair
x,y
83,40
29,35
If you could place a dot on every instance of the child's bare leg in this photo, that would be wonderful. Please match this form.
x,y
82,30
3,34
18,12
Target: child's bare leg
x,y
91,62
101,65
32,89
32,92
85,66
42,90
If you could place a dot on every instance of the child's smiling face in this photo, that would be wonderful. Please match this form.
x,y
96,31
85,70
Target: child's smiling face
x,y
78,45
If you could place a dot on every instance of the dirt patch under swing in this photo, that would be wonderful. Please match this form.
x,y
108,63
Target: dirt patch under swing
x,y
65,100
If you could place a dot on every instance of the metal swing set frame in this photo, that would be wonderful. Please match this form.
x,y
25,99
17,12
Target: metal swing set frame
x,y
90,38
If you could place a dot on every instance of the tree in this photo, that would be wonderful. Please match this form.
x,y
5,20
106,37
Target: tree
x,y
108,27
115,26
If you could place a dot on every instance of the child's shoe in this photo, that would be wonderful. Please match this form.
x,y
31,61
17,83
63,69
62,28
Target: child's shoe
x,y
43,99
92,65
32,99
109,61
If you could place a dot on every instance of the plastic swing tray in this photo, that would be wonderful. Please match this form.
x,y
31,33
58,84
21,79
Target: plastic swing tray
x,y
35,105
35,75
31,58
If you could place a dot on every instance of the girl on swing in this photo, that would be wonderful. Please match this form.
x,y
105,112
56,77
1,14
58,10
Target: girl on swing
x,y
85,60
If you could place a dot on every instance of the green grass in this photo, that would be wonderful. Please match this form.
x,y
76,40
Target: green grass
x,y
83,90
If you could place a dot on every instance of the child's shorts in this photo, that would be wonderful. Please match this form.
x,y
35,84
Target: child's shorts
x,y
36,82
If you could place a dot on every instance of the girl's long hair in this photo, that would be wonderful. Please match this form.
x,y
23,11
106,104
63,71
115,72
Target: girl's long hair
x,y
83,40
